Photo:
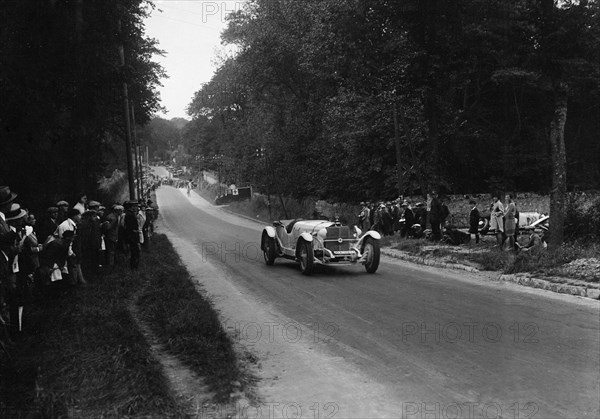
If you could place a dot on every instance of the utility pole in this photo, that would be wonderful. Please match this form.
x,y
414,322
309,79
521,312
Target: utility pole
x,y
126,117
138,167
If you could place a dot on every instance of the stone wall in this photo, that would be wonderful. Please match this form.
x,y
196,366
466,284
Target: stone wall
x,y
459,206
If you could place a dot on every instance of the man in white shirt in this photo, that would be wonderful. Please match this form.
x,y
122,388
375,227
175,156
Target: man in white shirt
x,y
74,265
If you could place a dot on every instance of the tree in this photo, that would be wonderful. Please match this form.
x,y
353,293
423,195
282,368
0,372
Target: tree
x,y
365,99
61,89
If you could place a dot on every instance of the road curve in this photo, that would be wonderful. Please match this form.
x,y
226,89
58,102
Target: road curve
x,y
441,345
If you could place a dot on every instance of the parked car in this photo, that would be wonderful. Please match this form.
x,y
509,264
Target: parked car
x,y
320,242
539,226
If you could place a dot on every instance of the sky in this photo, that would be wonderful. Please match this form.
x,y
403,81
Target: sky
x,y
189,32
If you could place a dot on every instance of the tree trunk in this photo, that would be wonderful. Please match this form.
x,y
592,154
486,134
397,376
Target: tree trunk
x,y
411,147
398,152
559,172
431,115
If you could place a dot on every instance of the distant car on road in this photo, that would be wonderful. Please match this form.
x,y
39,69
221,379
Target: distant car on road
x,y
320,242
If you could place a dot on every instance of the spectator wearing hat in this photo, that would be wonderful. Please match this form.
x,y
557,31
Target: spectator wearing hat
x,y
30,261
364,217
29,264
81,204
132,233
15,218
91,238
396,215
141,217
6,199
122,246
149,224
47,224
154,207
474,220
63,209
7,241
409,219
497,219
110,229
378,218
53,262
510,214
387,219
435,216
72,223
101,214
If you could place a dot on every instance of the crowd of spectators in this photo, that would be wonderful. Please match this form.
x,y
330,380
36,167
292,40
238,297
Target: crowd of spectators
x,y
41,259
403,217
431,220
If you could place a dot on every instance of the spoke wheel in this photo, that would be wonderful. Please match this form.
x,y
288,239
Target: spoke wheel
x,y
306,257
269,250
373,254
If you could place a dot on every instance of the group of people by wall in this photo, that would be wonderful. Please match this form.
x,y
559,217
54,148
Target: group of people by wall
x,y
405,218
42,258
432,219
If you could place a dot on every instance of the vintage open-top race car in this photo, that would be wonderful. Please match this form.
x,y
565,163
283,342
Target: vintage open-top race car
x,y
312,242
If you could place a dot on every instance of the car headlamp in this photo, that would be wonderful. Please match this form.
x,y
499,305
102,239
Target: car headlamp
x,y
322,234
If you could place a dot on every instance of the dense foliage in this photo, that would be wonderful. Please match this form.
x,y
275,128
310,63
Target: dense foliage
x,y
330,98
61,84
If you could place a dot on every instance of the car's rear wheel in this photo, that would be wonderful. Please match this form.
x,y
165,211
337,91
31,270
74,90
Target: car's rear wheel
x,y
306,257
373,254
269,250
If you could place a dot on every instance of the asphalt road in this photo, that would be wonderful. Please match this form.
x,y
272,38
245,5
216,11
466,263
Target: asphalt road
x,y
447,345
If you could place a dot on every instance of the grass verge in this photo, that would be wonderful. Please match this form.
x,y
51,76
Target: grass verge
x,y
83,355
487,258
187,323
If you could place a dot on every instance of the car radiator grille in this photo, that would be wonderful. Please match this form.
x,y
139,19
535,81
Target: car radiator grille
x,y
332,239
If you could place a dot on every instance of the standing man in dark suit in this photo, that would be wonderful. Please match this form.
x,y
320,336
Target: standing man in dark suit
x,y
409,219
435,216
474,220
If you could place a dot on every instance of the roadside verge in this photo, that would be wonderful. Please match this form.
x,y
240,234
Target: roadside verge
x,y
555,284
127,344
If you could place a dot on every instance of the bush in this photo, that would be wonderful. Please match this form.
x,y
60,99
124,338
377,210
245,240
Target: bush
x,y
582,222
545,260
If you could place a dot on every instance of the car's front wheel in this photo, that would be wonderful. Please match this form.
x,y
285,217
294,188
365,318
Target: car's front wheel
x,y
373,254
306,257
269,250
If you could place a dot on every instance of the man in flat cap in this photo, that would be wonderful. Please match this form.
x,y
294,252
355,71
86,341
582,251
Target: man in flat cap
x,y
91,238
110,229
63,209
132,233
48,224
